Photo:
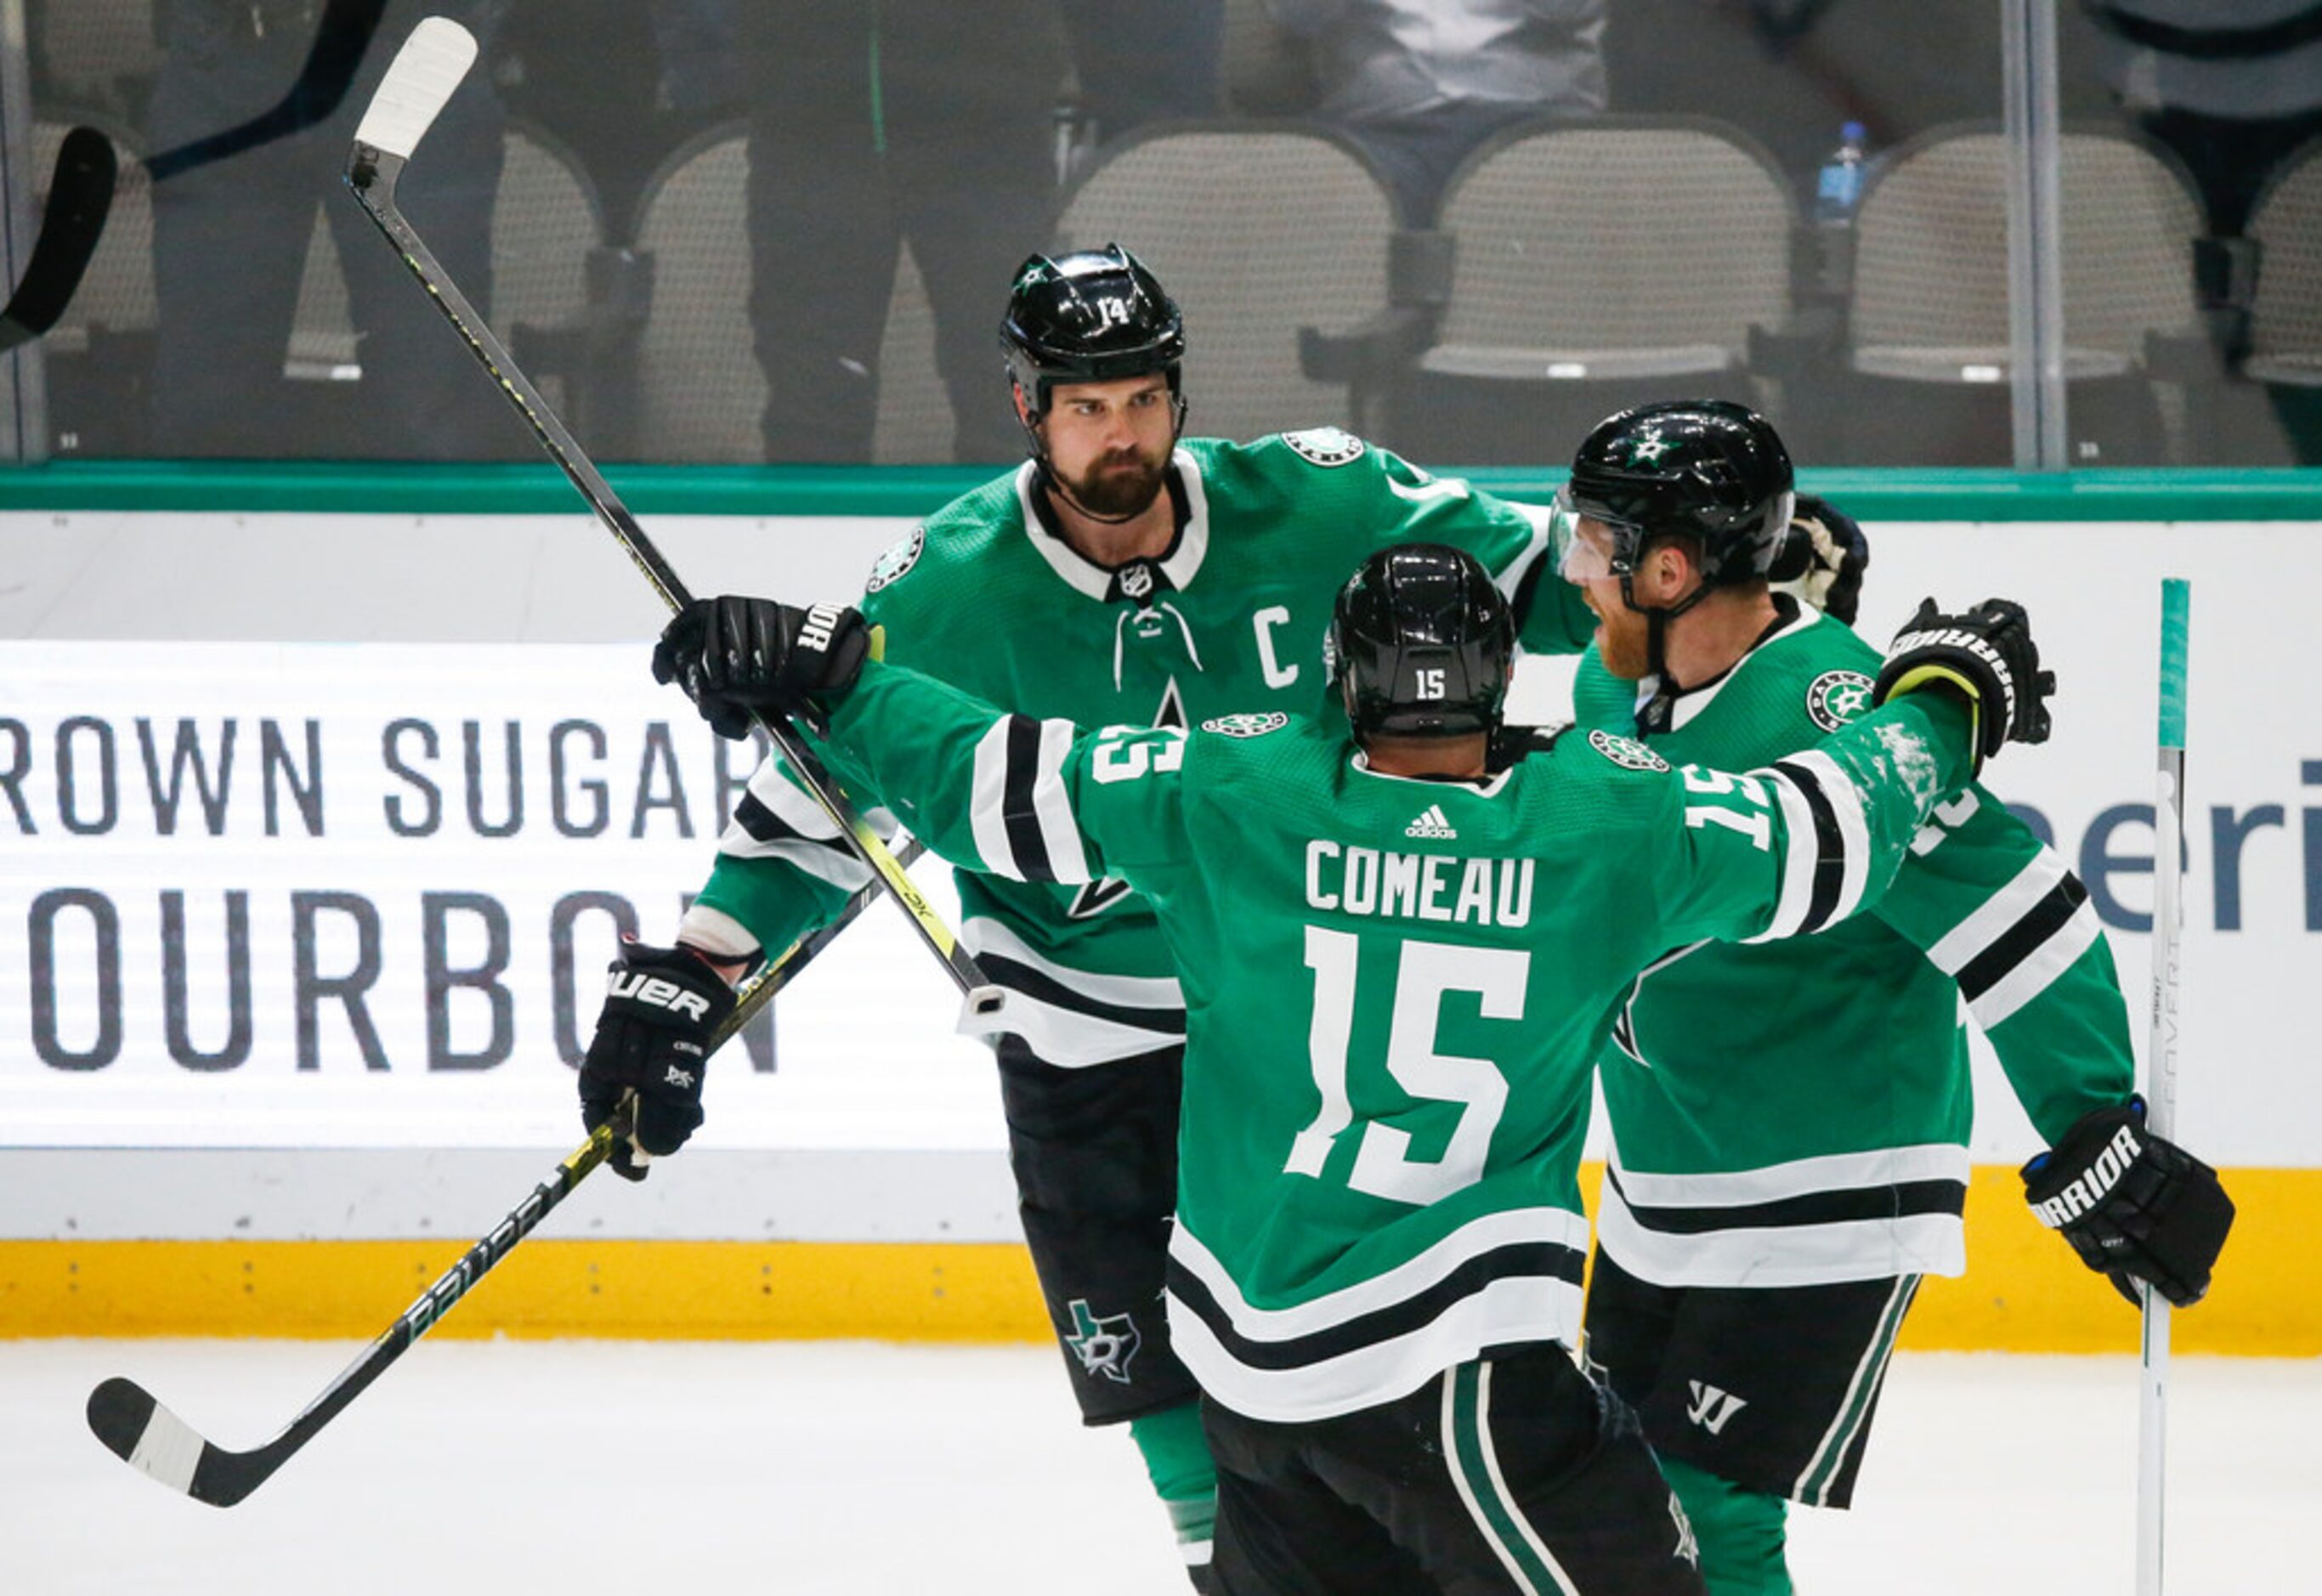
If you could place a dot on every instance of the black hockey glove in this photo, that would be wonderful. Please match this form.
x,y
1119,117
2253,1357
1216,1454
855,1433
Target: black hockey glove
x,y
652,1038
1822,558
734,656
2134,1206
1986,658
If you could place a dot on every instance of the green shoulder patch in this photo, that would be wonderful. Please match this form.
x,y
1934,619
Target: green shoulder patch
x,y
1326,445
1837,697
896,562
1246,725
1626,751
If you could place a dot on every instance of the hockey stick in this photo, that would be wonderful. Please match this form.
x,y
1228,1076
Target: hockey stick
x,y
2160,1064
80,197
148,1436
422,79
341,38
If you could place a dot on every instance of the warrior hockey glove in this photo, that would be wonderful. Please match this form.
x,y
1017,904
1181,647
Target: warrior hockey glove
x,y
1822,558
1986,658
661,1006
2134,1206
735,657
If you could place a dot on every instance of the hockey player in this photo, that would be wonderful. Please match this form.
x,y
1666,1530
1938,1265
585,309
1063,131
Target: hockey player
x,y
1790,1119
1122,575
1400,951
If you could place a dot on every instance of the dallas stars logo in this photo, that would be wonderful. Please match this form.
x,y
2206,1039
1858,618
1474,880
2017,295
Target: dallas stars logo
x,y
1649,448
1837,697
1104,1345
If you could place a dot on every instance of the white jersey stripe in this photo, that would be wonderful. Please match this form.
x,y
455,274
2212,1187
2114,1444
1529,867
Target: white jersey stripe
x,y
987,803
1407,1279
2039,968
1052,806
1802,1177
1802,853
1510,1309
1782,1255
984,935
1998,913
1853,831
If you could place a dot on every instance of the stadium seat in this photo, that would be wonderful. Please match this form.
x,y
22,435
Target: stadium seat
x,y
700,392
1259,229
2286,310
1596,264
1929,343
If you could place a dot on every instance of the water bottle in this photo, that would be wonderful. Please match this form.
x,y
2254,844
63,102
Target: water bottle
x,y
1838,189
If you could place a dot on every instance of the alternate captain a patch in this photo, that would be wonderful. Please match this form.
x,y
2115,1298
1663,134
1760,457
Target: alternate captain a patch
x,y
1326,445
1626,751
1837,697
896,564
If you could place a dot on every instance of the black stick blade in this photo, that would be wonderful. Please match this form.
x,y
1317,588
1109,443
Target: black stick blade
x,y
80,198
341,40
154,1441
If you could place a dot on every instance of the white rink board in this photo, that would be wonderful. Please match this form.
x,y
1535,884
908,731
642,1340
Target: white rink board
x,y
866,1059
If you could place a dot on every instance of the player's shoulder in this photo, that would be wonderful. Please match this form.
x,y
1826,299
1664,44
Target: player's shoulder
x,y
912,576
1304,459
1815,673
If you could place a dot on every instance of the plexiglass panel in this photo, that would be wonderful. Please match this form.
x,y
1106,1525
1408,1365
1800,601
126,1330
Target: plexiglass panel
x,y
726,231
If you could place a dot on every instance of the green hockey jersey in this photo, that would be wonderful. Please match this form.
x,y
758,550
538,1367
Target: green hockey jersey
x,y
1396,990
1799,1113
986,596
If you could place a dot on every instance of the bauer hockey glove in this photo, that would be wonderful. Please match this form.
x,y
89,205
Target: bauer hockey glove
x,y
1986,658
735,656
2134,1206
1822,558
661,1006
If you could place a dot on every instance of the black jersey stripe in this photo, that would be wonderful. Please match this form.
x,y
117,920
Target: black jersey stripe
x,y
1045,988
1830,848
1900,1199
765,825
1022,773
1515,1260
2020,941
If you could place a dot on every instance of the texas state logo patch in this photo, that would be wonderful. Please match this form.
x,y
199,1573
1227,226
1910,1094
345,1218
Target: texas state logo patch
x,y
1837,697
1325,445
896,564
1626,751
1246,726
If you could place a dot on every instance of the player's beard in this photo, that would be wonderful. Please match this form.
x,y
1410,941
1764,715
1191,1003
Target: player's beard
x,y
1121,484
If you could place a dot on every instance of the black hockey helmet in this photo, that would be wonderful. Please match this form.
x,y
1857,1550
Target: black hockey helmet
x,y
1712,472
1091,315
1420,643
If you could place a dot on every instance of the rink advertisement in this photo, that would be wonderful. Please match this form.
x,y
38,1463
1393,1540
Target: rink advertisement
x,y
287,894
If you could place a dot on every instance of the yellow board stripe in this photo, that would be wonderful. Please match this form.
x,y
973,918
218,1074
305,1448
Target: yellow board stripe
x,y
2023,1290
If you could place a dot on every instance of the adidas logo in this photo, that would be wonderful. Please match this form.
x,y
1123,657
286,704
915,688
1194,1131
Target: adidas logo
x,y
1431,824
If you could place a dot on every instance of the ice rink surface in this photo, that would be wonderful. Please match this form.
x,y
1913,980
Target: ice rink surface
x,y
506,1468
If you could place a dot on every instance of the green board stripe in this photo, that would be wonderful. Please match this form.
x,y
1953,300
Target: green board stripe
x,y
527,489
2176,605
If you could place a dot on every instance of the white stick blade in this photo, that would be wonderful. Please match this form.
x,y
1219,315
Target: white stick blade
x,y
426,70
168,1450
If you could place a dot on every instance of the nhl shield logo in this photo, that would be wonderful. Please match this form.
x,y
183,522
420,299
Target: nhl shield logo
x,y
1837,697
1136,579
896,564
1325,445
1246,725
1104,1345
1626,751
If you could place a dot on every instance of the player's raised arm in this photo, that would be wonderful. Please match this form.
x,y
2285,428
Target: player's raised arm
x,y
1011,795
1789,849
